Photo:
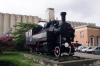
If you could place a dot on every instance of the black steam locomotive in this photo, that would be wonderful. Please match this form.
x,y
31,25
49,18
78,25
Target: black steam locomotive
x,y
54,38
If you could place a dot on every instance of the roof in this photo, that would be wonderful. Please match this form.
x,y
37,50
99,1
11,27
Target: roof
x,y
51,8
83,26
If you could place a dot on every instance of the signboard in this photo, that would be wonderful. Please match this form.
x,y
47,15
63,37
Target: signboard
x,y
87,42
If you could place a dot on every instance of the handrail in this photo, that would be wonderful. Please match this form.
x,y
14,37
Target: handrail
x,y
8,31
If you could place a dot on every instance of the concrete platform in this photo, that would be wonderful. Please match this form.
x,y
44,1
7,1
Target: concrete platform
x,y
45,62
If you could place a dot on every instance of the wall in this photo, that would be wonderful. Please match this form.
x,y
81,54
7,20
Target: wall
x,y
49,14
18,18
24,19
30,19
12,21
6,24
1,24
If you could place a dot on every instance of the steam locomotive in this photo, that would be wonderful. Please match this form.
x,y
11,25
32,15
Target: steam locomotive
x,y
54,38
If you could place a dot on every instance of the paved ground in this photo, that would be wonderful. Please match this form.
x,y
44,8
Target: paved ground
x,y
93,56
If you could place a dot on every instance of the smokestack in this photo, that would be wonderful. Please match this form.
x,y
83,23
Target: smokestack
x,y
63,16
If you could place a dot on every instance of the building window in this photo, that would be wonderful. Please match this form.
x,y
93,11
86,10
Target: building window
x,y
97,40
91,40
82,34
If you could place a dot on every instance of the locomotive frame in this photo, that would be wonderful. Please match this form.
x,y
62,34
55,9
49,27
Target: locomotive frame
x,y
53,38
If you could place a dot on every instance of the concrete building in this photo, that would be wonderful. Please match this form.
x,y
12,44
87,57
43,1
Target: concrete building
x,y
30,19
49,14
6,22
12,22
18,18
87,35
24,18
1,23
9,20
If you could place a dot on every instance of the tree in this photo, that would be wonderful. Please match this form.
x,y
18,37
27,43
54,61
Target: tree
x,y
19,34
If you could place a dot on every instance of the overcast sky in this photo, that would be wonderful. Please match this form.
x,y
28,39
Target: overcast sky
x,y
77,10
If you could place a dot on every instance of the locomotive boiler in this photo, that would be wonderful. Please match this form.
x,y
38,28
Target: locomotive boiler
x,y
54,38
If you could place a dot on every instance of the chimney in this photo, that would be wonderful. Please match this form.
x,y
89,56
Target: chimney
x,y
63,17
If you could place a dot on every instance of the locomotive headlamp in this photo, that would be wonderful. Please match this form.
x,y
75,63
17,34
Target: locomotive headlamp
x,y
66,44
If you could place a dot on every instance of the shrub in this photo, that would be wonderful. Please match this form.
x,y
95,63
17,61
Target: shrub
x,y
6,42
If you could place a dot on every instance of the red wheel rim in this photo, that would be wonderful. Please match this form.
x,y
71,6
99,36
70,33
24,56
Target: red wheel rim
x,y
57,51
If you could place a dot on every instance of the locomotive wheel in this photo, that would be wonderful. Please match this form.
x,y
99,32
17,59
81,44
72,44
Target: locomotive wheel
x,y
57,51
36,50
45,53
31,50
45,48
70,52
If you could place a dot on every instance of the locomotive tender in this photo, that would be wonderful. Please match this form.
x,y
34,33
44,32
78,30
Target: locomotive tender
x,y
53,38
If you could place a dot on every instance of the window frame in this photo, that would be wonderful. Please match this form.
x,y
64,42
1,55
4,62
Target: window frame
x,y
82,34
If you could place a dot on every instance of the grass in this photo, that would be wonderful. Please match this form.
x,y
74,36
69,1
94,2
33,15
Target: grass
x,y
15,59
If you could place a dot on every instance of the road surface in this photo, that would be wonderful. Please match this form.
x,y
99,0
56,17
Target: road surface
x,y
86,55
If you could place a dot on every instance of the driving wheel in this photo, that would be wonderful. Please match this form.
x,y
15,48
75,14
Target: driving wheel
x,y
31,50
45,52
57,51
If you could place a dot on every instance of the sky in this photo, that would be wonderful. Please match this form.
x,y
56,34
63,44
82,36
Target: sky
x,y
77,10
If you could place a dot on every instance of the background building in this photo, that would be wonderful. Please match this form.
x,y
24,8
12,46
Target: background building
x,y
49,14
87,35
8,20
